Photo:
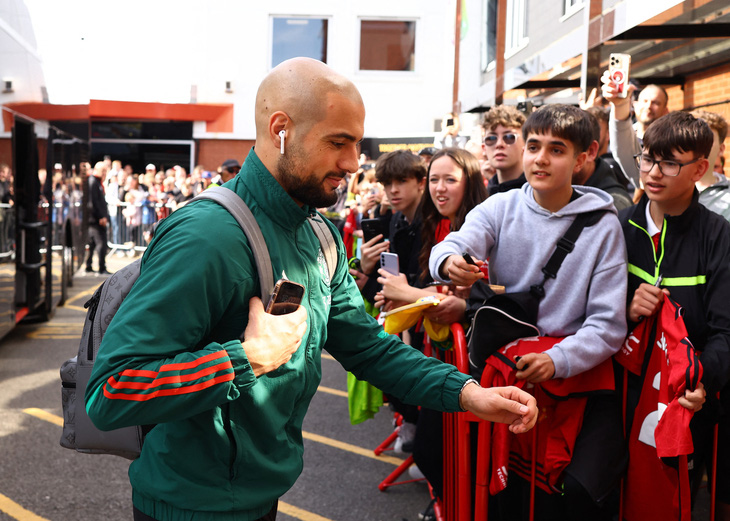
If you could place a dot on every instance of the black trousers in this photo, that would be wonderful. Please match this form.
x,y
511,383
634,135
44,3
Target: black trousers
x,y
271,516
98,242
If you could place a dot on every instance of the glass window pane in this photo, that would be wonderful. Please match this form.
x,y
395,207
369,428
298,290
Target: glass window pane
x,y
489,42
387,45
293,37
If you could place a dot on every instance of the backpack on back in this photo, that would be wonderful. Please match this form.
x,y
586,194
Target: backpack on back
x,y
79,433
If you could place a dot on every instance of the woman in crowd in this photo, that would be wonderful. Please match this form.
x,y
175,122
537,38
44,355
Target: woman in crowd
x,y
454,186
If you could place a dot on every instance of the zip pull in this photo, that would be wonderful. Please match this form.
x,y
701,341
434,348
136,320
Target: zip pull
x,y
93,303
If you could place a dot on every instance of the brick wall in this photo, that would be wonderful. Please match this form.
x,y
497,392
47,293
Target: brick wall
x,y
709,90
212,152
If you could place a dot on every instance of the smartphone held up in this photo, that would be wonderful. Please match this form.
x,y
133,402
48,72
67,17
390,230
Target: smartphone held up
x,y
285,298
389,262
618,70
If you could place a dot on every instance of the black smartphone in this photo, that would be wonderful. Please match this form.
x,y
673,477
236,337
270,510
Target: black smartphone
x,y
449,122
285,298
468,259
371,228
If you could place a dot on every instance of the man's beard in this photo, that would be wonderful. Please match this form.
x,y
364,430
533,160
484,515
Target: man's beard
x,y
307,190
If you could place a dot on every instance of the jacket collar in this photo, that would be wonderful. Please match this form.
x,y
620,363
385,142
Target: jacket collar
x,y
255,184
674,222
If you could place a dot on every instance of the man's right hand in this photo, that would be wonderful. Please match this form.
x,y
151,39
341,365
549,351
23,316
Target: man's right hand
x,y
370,253
271,340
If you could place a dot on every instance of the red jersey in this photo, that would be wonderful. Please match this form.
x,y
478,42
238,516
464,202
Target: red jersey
x,y
659,351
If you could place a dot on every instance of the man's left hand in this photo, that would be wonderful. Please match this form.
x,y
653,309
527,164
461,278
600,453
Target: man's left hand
x,y
501,404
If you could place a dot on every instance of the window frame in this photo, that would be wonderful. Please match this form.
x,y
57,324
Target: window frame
x,y
484,51
272,17
569,10
516,29
416,45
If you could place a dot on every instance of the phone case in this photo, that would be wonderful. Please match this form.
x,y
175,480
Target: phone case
x,y
618,69
389,262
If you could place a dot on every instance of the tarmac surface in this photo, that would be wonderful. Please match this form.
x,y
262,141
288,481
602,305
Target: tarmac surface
x,y
41,481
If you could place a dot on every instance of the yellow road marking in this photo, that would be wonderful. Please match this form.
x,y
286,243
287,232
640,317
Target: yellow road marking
x,y
15,511
56,331
291,510
57,420
87,293
44,415
329,390
368,453
328,357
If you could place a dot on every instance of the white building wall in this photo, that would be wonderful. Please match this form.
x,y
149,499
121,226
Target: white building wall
x,y
20,61
398,104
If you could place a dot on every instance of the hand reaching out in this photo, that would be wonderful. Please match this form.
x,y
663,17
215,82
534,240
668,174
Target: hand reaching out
x,y
501,404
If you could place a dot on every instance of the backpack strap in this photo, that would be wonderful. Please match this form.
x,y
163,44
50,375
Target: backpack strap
x,y
564,246
229,200
235,205
326,241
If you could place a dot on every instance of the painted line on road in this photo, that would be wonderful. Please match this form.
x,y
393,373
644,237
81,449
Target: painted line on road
x,y
56,331
44,415
368,453
354,449
304,515
87,293
328,357
330,390
15,511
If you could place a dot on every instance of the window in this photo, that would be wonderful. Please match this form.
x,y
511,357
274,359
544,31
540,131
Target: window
x,y
516,37
387,45
298,36
489,39
571,7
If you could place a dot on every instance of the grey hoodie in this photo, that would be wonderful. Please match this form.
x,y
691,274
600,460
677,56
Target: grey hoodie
x,y
587,300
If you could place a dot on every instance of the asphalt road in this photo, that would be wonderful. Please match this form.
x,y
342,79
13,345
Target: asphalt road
x,y
40,480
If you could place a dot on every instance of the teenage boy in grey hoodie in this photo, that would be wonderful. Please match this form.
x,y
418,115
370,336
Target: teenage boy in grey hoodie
x,y
518,232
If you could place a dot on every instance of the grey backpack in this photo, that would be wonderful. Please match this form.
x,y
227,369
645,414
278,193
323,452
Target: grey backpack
x,y
79,432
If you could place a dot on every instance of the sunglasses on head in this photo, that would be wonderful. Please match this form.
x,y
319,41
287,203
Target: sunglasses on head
x,y
509,139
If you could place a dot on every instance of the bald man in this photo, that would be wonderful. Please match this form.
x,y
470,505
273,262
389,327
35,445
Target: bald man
x,y
227,441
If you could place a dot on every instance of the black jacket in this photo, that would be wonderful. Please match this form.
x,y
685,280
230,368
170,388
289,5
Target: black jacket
x,y
604,178
405,241
495,187
98,208
693,259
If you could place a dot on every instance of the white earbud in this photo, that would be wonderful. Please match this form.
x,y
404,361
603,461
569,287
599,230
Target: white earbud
x,y
282,135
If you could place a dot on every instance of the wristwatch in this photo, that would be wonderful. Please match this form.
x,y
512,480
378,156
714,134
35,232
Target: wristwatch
x,y
469,381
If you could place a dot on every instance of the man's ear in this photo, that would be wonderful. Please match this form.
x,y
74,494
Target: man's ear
x,y
580,160
278,121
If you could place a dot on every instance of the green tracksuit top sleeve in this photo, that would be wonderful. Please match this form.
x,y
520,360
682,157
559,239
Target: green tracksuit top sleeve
x,y
152,366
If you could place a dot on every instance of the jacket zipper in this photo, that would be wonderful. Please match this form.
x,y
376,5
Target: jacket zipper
x,y
92,304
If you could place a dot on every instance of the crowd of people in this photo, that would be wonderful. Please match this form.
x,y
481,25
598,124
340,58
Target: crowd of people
x,y
662,239
657,182
124,205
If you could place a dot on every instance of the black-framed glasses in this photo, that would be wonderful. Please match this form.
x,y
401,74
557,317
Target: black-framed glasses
x,y
509,139
666,167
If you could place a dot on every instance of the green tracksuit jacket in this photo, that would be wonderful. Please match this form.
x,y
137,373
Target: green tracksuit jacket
x,y
227,445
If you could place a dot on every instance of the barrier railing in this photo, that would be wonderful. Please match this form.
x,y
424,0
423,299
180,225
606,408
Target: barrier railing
x,y
129,226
